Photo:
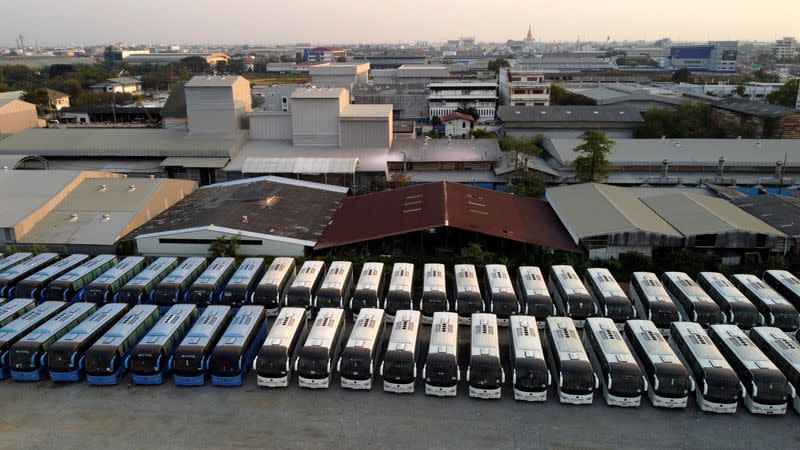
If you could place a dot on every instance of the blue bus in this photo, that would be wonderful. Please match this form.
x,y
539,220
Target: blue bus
x,y
28,356
66,359
107,359
13,259
206,289
21,326
105,287
240,289
172,289
149,359
10,277
12,309
189,364
140,287
32,286
234,354
69,286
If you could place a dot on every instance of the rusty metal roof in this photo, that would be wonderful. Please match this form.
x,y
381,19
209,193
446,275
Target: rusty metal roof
x,y
444,204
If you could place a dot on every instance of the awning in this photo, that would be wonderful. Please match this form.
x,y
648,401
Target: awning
x,y
300,165
10,162
195,163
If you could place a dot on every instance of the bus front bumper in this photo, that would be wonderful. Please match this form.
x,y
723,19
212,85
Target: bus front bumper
x,y
441,391
361,385
273,382
314,383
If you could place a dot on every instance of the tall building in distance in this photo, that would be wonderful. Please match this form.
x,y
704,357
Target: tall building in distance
x,y
718,56
523,87
529,37
786,48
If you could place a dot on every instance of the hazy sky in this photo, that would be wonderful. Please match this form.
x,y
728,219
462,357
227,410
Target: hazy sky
x,y
355,21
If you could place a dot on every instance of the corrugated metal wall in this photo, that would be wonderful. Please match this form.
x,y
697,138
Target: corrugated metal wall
x,y
271,127
315,122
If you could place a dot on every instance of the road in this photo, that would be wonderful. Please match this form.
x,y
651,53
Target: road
x,y
47,415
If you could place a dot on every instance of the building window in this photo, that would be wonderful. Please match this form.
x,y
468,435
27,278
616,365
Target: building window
x,y
761,240
705,240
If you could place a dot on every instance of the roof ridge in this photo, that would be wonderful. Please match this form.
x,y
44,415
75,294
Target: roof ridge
x,y
613,203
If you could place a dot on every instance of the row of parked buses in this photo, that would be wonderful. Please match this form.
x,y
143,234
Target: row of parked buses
x,y
743,300
722,365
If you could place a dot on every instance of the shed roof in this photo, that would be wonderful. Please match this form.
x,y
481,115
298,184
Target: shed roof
x,y
758,109
461,150
696,214
457,115
315,92
274,206
593,209
545,114
782,213
213,81
445,204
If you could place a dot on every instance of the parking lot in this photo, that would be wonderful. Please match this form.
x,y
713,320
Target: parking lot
x,y
45,415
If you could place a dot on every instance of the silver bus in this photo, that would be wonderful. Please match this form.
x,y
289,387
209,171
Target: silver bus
x,y
500,293
530,376
399,366
269,291
609,296
533,294
69,287
485,373
273,364
786,284
620,375
774,310
399,295
361,354
569,362
652,301
467,290
668,379
314,364
570,295
369,288
785,353
300,294
691,299
441,372
337,286
434,291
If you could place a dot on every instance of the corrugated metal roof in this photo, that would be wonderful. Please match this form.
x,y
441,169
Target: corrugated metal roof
x,y
692,152
314,92
200,163
300,165
212,81
120,142
757,109
694,215
369,159
459,150
443,204
593,209
782,213
351,111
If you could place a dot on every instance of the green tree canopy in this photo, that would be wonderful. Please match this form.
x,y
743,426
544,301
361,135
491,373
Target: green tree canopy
x,y
683,75
593,165
496,64
786,95
559,96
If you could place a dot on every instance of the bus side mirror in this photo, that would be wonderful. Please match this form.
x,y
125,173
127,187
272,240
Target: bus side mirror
x,y
792,391
288,366
705,388
381,369
423,372
644,380
692,385
597,382
255,360
561,380
549,378
295,363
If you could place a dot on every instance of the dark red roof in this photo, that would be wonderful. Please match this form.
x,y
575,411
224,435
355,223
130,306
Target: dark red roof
x,y
444,204
457,115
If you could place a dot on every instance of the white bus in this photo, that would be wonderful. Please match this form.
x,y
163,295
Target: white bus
x,y
609,296
314,364
369,288
337,286
441,372
691,299
569,362
736,308
668,380
785,353
571,296
766,389
533,294
500,293
774,310
273,365
717,386
434,291
301,292
485,373
361,354
620,375
269,291
400,295
468,297
652,301
399,367
529,377
786,284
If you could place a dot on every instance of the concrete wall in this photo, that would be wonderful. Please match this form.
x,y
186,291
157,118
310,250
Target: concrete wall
x,y
151,246
17,116
270,126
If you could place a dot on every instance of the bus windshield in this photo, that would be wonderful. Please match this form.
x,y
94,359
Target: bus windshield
x,y
129,295
95,294
356,364
200,295
771,386
626,380
531,375
441,370
226,361
24,356
398,366
723,385
300,298
58,358
146,361
578,377
234,295
328,297
313,363
485,372
266,295
102,361
272,361
166,295
673,381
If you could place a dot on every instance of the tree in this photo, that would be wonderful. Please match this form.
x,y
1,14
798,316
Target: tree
x,y
682,75
786,95
341,59
221,67
740,90
686,120
399,180
298,57
592,165
197,64
37,97
469,110
436,120
496,64
225,247
559,96
475,254
530,185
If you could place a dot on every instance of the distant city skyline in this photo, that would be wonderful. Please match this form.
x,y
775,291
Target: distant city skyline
x,y
84,22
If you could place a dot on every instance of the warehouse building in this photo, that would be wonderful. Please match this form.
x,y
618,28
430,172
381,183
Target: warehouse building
x,y
441,218
673,162
771,121
778,211
270,216
17,115
569,122
608,221
97,213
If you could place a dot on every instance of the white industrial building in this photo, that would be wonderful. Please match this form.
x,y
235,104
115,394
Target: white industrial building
x,y
341,75
523,87
269,215
447,97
